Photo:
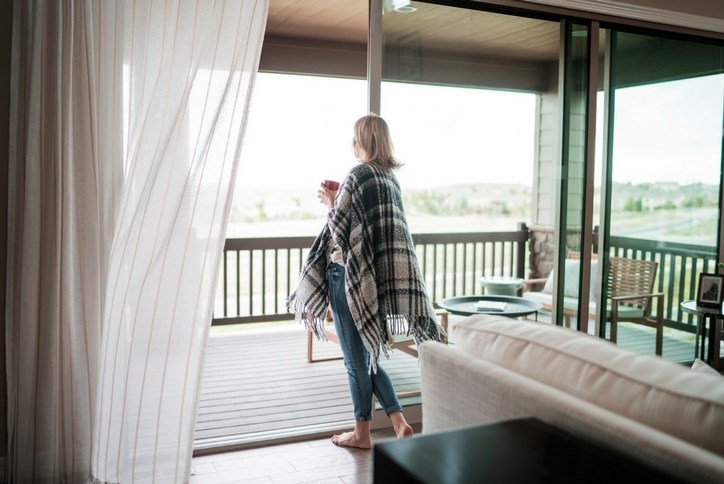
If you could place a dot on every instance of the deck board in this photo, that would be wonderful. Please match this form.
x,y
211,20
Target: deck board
x,y
257,383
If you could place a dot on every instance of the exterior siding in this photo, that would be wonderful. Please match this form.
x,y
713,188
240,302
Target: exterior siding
x,y
546,156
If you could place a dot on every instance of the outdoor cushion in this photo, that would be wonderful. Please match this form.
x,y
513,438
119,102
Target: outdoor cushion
x,y
570,285
572,304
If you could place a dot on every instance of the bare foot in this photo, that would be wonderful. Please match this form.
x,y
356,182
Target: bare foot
x,y
404,431
350,439
402,428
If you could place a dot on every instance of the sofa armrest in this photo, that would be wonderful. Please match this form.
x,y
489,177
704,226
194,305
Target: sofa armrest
x,y
455,392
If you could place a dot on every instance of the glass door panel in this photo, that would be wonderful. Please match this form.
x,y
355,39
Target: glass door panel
x,y
467,95
664,161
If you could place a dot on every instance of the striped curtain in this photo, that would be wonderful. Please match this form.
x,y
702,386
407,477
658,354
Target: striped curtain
x,y
127,131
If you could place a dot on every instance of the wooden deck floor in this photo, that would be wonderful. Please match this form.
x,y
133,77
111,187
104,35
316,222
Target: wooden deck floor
x,y
258,388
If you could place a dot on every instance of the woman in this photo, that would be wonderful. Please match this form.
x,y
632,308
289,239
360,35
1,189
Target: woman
x,y
363,265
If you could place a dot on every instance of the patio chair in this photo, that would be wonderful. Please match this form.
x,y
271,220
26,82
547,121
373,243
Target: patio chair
x,y
404,343
630,285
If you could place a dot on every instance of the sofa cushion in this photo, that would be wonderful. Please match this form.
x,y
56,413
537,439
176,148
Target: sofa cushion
x,y
666,396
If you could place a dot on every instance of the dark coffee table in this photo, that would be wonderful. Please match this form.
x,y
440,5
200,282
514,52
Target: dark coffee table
x,y
524,450
512,306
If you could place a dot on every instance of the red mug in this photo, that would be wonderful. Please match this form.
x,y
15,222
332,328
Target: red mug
x,y
331,185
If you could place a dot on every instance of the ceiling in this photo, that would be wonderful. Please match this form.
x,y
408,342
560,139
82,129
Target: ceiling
x,y
439,44
436,28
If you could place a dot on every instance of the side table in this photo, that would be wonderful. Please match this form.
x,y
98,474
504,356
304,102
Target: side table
x,y
714,316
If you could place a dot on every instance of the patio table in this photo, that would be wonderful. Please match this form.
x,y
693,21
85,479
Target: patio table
x,y
510,306
714,315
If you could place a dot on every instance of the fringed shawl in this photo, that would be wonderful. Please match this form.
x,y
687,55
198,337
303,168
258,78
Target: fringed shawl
x,y
384,286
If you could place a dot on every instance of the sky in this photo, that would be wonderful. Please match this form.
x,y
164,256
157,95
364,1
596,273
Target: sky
x,y
303,134
300,132
670,132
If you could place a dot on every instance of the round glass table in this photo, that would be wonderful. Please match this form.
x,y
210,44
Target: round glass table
x,y
511,306
714,315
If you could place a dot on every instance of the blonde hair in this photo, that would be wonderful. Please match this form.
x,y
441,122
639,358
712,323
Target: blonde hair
x,y
372,134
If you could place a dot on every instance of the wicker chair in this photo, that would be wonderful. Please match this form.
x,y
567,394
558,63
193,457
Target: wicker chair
x,y
630,286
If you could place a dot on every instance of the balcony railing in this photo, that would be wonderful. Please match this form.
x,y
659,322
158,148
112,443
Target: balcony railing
x,y
679,267
258,274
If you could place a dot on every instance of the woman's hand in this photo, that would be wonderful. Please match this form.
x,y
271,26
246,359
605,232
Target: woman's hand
x,y
326,196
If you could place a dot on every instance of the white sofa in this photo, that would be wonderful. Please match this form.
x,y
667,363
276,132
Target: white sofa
x,y
661,413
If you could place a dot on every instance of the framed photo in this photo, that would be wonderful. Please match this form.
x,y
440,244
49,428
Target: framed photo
x,y
710,291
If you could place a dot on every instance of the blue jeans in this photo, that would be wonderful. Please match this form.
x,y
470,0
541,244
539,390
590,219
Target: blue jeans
x,y
362,383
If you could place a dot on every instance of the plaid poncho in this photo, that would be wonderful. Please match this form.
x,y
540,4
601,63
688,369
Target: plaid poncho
x,y
384,285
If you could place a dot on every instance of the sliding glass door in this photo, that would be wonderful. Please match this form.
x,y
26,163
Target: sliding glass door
x,y
614,139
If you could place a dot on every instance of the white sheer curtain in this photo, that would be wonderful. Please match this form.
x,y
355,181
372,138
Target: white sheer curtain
x,y
110,282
